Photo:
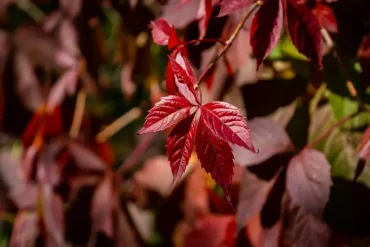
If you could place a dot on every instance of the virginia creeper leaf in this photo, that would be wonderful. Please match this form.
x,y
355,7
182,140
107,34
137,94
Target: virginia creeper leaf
x,y
215,155
325,16
166,113
161,31
85,158
204,15
25,229
364,146
180,146
308,181
266,29
305,31
225,121
230,6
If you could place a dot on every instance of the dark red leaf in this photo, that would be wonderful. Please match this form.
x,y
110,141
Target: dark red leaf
x,y
266,29
85,158
180,146
25,229
231,6
225,121
210,77
170,80
364,59
125,234
215,156
308,181
166,113
102,207
326,17
161,31
305,31
184,78
204,15
270,236
173,39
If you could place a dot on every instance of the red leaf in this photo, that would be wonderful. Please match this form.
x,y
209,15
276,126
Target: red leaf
x,y
266,29
308,181
270,236
305,31
268,137
103,203
25,229
161,31
231,6
170,80
180,146
126,236
68,37
173,40
305,230
85,158
226,122
364,147
253,195
166,113
215,156
71,7
204,15
326,17
184,78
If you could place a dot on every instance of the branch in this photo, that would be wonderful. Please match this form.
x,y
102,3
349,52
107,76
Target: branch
x,y
230,41
118,124
78,114
351,88
331,128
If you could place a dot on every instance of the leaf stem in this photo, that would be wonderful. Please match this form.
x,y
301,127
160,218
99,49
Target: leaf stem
x,y
331,128
78,114
118,124
230,40
351,88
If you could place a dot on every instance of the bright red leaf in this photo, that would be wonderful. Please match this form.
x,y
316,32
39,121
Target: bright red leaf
x,y
204,15
305,31
308,181
161,31
166,113
180,146
326,17
266,29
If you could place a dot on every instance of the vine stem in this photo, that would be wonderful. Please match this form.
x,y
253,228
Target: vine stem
x,y
78,114
230,40
331,128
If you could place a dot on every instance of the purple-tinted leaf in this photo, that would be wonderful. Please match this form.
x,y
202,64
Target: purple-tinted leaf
x,y
103,203
25,229
85,158
161,31
53,217
305,31
306,230
225,121
167,113
231,6
180,146
268,137
215,156
308,181
71,7
266,29
68,37
27,84
252,197
66,84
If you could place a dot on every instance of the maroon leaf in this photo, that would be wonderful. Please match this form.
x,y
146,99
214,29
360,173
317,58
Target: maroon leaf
x,y
225,121
253,195
170,80
53,217
103,204
230,6
305,31
305,230
161,31
25,229
204,15
268,137
125,234
215,156
364,59
266,29
166,113
270,236
308,181
180,146
326,17
85,158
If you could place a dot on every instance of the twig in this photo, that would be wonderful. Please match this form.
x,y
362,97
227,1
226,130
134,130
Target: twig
x,y
78,114
331,128
34,12
230,41
351,88
118,124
